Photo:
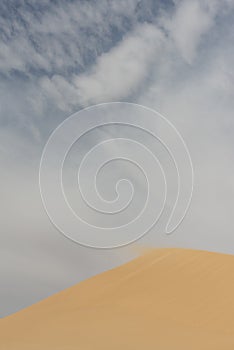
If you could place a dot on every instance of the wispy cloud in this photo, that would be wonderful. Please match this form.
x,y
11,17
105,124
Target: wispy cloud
x,y
115,75
61,37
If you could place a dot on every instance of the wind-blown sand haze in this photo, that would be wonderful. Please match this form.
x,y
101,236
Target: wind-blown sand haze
x,y
167,299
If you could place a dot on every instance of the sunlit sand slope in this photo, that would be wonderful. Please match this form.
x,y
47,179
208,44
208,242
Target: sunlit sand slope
x,y
168,299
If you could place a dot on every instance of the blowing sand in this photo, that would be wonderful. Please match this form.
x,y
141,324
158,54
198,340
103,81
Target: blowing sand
x,y
168,299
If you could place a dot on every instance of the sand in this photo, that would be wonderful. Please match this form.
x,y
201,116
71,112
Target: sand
x,y
168,299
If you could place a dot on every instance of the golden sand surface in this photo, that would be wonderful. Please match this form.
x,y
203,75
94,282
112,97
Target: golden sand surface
x,y
167,299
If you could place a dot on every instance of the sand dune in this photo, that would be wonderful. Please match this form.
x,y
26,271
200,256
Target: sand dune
x,y
168,299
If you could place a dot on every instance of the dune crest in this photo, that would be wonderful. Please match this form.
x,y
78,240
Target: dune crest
x,y
167,299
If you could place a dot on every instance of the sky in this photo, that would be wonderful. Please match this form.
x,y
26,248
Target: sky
x,y
58,57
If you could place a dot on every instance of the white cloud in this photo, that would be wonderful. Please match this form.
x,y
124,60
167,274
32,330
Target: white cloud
x,y
59,36
120,72
190,22
115,75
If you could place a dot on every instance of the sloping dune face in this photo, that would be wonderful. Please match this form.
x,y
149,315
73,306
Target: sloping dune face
x,y
168,299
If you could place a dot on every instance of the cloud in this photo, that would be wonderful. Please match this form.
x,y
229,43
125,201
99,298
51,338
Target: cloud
x,y
120,71
116,74
178,34
190,22
61,37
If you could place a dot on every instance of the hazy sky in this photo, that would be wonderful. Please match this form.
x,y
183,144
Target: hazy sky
x,y
57,57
